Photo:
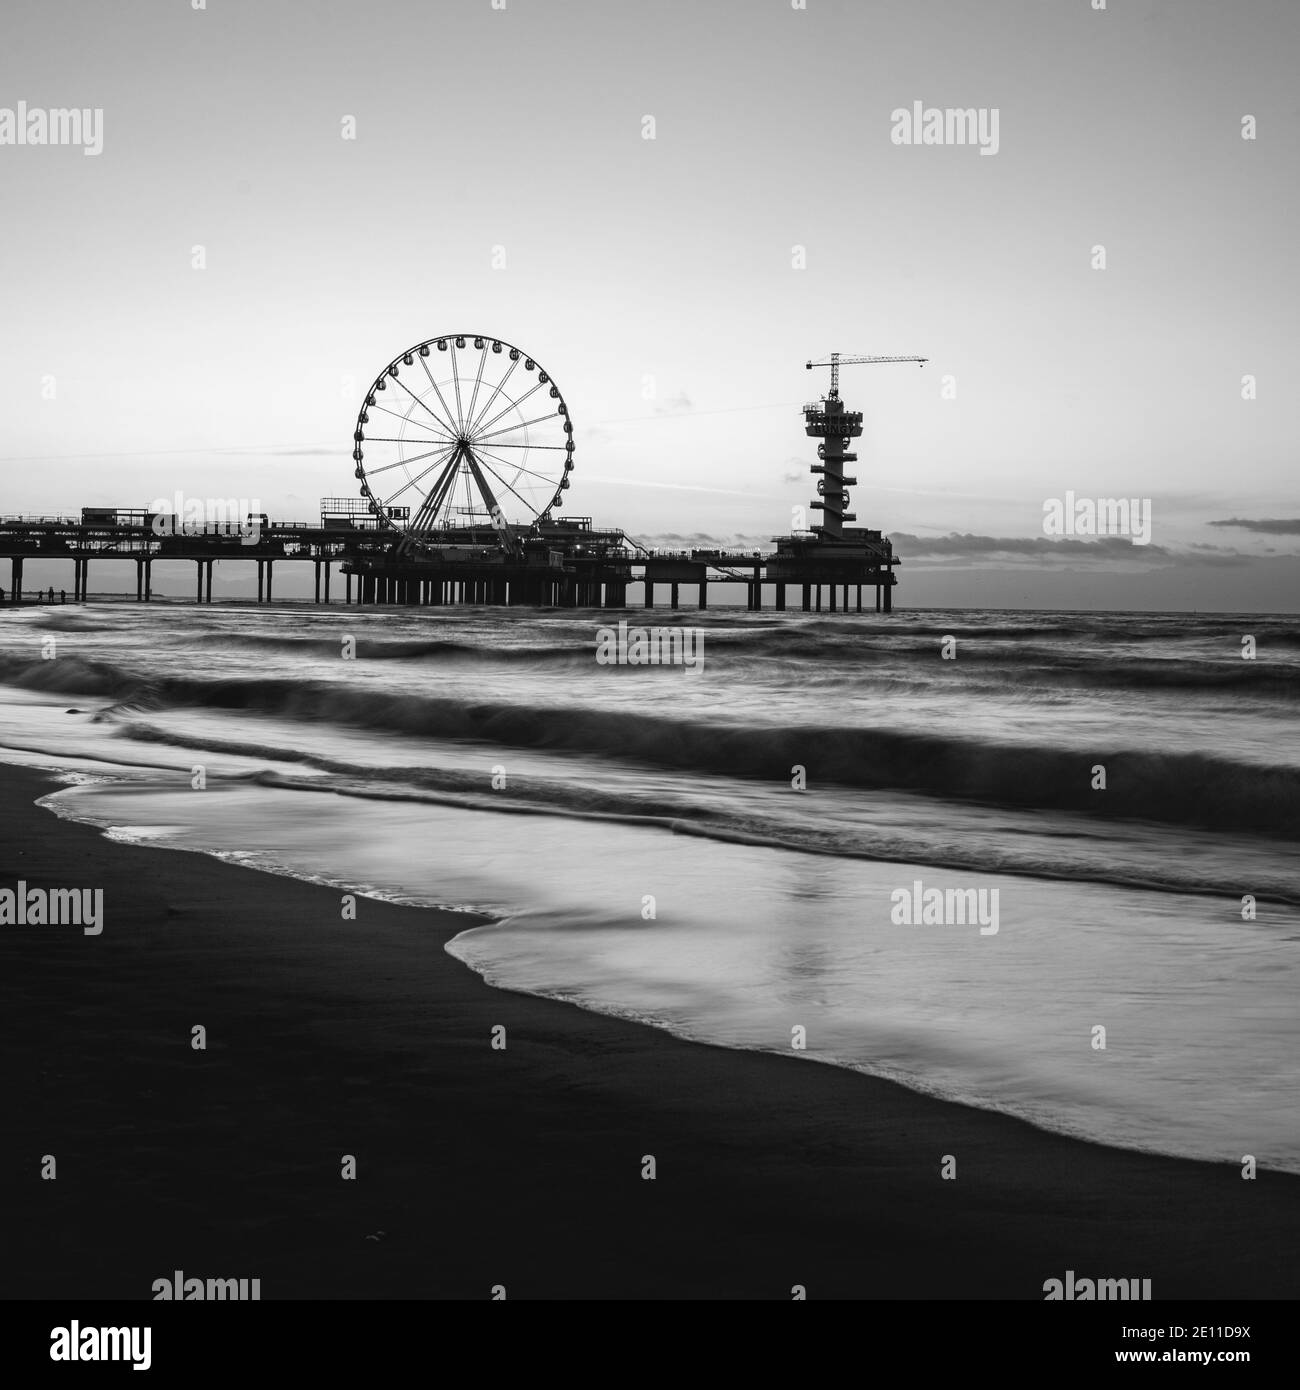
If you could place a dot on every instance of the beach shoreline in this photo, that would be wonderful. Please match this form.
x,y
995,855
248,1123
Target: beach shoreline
x,y
521,1167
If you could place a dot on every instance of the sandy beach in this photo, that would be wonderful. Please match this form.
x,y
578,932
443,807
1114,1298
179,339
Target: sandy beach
x,y
519,1167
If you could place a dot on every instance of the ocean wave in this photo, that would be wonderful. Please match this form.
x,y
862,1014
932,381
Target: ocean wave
x,y
1024,668
1019,657
395,649
1193,788
684,815
66,675
1185,788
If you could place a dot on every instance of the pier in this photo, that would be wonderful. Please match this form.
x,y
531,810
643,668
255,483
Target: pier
x,y
567,564
461,480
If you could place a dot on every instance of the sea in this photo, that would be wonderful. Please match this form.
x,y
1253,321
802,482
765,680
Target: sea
x,y
736,853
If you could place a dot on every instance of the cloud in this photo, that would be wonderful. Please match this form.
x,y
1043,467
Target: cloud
x,y
679,404
968,547
1220,556
954,550
700,540
1212,552
1272,526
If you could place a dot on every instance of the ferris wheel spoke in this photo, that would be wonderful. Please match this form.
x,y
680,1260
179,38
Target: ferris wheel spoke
x,y
423,404
385,467
455,377
518,467
512,406
418,458
502,445
397,439
387,502
447,409
410,483
478,380
506,485
523,424
475,424
397,415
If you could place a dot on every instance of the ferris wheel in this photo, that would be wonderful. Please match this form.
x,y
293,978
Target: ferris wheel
x,y
459,431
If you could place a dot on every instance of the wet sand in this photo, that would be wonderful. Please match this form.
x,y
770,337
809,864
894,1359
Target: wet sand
x,y
520,1167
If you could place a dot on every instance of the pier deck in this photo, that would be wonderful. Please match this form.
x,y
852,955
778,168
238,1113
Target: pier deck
x,y
559,564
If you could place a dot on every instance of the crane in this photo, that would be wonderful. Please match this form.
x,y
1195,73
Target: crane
x,y
837,360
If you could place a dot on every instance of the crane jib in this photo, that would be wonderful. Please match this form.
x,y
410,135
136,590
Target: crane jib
x,y
837,360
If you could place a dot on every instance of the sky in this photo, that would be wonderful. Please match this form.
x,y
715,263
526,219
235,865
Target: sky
x,y
500,181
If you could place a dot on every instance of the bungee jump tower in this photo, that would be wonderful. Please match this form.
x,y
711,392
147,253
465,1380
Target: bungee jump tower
x,y
833,553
